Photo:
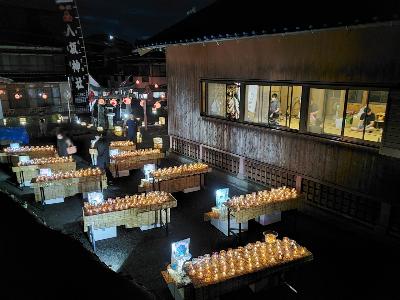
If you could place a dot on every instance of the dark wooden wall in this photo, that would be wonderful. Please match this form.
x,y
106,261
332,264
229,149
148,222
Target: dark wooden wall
x,y
367,56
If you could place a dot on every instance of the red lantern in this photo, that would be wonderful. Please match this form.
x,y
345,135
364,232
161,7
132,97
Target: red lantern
x,y
137,81
101,101
142,103
157,105
113,102
127,100
2,92
156,86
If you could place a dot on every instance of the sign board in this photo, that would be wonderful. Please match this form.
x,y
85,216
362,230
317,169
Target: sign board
x,y
114,152
77,69
95,198
45,172
148,169
23,158
180,254
221,196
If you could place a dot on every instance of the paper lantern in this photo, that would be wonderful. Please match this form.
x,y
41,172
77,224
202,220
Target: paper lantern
x,y
142,103
2,92
17,96
157,105
127,100
137,81
101,101
156,86
44,96
113,102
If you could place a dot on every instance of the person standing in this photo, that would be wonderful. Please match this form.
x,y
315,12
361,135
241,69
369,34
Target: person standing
x,y
132,127
274,110
42,126
62,144
103,155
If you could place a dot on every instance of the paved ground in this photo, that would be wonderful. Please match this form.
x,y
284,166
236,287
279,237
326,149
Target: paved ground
x,y
347,265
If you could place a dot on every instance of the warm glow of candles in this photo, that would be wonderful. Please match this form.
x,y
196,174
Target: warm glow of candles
x,y
176,171
25,149
223,265
46,160
121,143
241,202
70,174
127,202
141,152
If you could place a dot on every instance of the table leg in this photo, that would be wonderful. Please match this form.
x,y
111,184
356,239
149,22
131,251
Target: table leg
x,y
229,222
166,221
42,196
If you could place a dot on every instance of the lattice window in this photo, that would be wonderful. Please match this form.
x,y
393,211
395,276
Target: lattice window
x,y
185,148
267,175
342,202
221,160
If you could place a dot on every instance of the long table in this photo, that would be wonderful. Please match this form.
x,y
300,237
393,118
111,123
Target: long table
x,y
150,215
256,281
67,187
121,166
183,183
25,174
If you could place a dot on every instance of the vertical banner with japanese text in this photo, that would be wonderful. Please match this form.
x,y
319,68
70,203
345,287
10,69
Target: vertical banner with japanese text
x,y
77,69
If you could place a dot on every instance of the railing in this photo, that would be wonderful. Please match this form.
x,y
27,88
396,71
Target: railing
x,y
221,159
354,205
214,157
185,147
357,207
44,110
268,175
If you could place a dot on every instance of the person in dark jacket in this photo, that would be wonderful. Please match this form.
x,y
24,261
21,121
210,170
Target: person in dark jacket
x,y
103,155
132,127
62,144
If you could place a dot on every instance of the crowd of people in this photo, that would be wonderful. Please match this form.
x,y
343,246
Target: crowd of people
x,y
99,146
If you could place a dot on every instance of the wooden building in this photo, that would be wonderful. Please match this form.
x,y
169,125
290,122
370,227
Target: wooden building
x,y
293,101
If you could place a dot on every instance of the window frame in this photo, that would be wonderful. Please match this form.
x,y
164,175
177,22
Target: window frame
x,y
304,106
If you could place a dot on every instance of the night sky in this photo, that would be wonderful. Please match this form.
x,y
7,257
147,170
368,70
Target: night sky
x,y
133,19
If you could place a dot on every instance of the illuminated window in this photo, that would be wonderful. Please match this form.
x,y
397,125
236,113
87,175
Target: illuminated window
x,y
325,111
274,105
363,117
216,99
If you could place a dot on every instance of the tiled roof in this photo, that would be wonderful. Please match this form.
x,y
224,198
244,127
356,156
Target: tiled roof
x,y
228,19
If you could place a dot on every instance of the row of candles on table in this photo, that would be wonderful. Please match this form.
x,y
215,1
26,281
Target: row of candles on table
x,y
121,143
24,149
127,202
255,199
176,171
220,266
140,152
70,174
46,160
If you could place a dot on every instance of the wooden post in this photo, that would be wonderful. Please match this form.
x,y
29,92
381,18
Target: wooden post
x,y
145,114
298,183
201,153
240,174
